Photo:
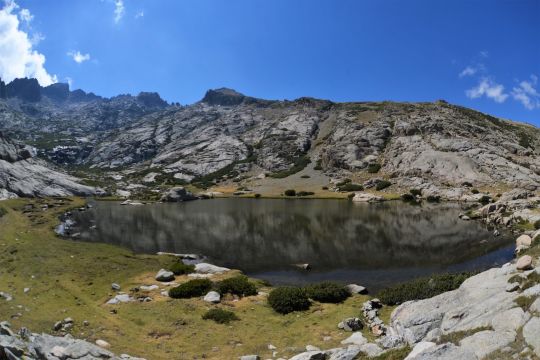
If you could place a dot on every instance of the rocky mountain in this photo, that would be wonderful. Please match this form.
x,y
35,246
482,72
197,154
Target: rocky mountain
x,y
21,174
229,137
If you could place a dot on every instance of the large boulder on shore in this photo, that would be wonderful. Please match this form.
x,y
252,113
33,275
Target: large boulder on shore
x,y
177,194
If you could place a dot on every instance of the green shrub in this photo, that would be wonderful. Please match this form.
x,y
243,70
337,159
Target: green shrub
x,y
257,195
484,200
433,198
220,316
350,187
474,191
305,177
408,197
327,292
2,211
466,184
179,268
290,192
287,299
383,184
373,168
192,288
237,285
325,187
416,192
305,193
343,182
536,224
524,302
422,288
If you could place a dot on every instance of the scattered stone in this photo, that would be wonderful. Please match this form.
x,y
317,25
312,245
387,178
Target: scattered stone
x,y
366,197
524,263
164,275
312,348
531,330
524,240
419,348
6,296
120,298
271,347
205,268
250,357
212,297
351,324
356,289
310,355
149,287
26,290
512,287
371,350
115,286
355,339
103,344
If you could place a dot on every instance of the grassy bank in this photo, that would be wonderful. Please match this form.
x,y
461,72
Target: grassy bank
x,y
73,279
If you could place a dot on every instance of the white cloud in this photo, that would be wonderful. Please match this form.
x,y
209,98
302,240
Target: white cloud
x,y
78,57
468,71
527,94
17,57
26,16
484,54
140,14
119,10
488,88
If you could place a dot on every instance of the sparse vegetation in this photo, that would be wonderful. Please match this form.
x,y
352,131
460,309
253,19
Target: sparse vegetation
x,y
416,192
373,168
457,336
383,184
536,224
484,200
327,292
192,288
290,192
305,193
474,191
299,164
287,299
350,187
237,285
422,288
525,302
433,198
220,316
179,268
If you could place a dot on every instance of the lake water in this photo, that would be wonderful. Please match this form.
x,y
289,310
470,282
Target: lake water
x,y
374,245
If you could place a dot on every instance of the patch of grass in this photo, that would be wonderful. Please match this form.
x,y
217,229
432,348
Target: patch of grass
x,y
192,288
2,211
237,285
536,224
422,288
220,316
456,337
532,280
299,164
392,354
327,292
383,184
373,168
179,268
525,302
286,299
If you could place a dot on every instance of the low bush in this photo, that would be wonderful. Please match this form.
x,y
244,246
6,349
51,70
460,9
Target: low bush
x,y
179,268
433,198
466,184
422,288
287,299
305,177
350,187
408,197
416,192
192,288
237,285
536,223
257,195
220,316
2,211
474,191
484,200
290,192
327,292
373,168
325,187
305,193
383,184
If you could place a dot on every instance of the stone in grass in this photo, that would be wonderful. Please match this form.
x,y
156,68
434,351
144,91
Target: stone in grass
x,y
212,297
115,287
524,263
356,289
351,324
164,275
102,343
250,357
355,339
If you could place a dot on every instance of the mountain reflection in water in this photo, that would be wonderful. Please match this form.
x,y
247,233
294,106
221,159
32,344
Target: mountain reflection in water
x,y
372,244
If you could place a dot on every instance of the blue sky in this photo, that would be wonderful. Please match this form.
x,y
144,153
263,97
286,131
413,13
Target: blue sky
x,y
480,54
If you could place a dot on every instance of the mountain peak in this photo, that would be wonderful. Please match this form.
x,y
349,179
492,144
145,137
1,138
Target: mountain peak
x,y
223,96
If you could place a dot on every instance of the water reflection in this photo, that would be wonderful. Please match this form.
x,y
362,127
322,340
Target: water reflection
x,y
342,240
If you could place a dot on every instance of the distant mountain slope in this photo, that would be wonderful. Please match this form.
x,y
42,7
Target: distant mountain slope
x,y
23,175
229,136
